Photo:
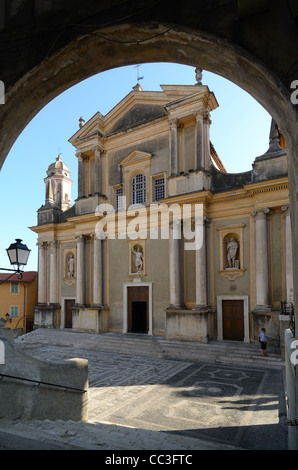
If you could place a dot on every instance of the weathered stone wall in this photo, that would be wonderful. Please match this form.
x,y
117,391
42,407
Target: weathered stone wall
x,y
35,389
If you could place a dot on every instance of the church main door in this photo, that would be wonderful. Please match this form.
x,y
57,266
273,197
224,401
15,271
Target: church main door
x,y
233,320
138,309
69,304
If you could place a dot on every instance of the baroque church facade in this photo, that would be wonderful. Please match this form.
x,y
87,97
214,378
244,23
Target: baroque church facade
x,y
161,239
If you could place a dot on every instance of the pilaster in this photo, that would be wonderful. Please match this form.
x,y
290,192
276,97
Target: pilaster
x,y
80,287
175,265
98,271
201,263
174,147
261,258
42,273
53,274
288,254
98,170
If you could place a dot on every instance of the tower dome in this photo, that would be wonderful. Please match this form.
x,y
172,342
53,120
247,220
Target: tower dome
x,y
58,185
58,167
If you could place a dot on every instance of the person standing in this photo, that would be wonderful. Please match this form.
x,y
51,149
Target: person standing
x,y
263,340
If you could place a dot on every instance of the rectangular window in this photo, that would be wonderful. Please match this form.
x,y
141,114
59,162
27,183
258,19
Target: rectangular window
x,y
119,199
14,311
159,188
14,287
139,189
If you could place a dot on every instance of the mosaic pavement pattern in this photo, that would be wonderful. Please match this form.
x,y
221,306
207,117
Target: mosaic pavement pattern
x,y
243,407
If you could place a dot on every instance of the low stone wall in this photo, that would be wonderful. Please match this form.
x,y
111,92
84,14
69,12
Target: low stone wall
x,y
89,320
188,325
35,389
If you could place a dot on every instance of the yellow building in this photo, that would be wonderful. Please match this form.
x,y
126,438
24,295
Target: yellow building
x,y
18,297
161,239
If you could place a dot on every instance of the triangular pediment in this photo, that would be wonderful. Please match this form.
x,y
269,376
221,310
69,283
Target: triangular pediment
x,y
90,128
137,156
135,108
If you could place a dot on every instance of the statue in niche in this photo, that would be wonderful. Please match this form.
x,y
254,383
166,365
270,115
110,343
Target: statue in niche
x,y
70,265
138,255
232,249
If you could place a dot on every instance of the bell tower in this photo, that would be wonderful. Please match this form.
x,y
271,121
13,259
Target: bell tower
x,y
58,185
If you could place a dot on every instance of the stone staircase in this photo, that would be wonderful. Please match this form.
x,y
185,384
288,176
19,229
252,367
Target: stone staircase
x,y
226,352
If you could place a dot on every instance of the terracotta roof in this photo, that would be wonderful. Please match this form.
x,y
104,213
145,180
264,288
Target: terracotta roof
x,y
27,277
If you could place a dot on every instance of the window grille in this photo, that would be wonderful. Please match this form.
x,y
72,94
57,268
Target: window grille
x,y
119,199
14,287
159,188
14,311
139,189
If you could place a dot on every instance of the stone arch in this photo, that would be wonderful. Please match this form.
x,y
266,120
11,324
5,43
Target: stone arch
x,y
141,43
93,54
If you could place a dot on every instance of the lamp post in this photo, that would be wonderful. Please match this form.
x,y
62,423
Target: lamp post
x,y
18,255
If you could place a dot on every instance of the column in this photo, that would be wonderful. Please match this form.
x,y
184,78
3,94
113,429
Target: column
x,y
42,277
53,273
199,141
81,176
288,254
201,263
175,267
261,258
98,172
97,271
174,147
206,140
80,294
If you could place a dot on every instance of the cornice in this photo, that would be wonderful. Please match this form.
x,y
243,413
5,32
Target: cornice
x,y
267,186
250,190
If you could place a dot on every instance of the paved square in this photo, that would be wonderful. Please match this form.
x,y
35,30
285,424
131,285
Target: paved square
x,y
243,407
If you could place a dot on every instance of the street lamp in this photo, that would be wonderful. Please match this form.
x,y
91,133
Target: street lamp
x,y
18,255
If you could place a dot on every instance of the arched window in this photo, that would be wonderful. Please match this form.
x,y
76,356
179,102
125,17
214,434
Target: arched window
x,y
139,189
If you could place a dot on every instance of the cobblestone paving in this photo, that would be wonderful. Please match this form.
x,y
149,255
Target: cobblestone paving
x,y
225,405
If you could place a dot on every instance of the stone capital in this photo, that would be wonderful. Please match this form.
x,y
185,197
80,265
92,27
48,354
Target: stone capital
x,y
98,150
261,213
285,210
173,123
80,238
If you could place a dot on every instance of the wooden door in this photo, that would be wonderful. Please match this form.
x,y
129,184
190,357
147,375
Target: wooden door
x,y
233,320
69,304
138,309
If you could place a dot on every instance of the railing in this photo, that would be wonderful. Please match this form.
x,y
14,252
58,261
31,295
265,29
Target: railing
x,y
38,382
292,421
287,308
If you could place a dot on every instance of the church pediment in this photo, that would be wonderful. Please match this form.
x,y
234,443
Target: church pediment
x,y
89,129
137,107
137,114
137,156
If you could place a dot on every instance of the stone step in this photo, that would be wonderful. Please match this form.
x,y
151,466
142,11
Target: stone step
x,y
217,347
158,347
222,352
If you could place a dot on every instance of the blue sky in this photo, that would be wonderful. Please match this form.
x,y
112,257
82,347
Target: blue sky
x,y
239,132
